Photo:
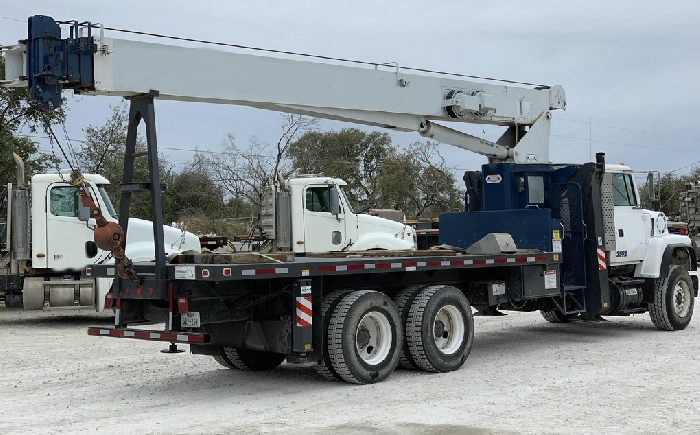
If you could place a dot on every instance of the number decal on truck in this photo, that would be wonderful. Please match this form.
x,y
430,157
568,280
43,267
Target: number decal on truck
x,y
620,254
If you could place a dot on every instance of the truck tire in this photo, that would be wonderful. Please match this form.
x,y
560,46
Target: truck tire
x,y
325,368
365,336
13,301
222,359
440,329
556,316
246,359
403,301
674,300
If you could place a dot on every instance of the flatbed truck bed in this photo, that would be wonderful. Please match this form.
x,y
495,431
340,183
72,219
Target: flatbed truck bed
x,y
282,307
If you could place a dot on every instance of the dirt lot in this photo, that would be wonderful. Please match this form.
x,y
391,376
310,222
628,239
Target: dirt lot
x,y
523,376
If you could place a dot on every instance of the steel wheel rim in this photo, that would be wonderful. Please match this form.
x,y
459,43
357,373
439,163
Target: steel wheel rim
x,y
448,329
373,338
681,299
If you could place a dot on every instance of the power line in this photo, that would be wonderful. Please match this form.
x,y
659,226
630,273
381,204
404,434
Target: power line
x,y
629,129
195,150
627,144
13,19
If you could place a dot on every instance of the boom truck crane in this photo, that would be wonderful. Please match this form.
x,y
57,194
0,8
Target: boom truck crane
x,y
566,239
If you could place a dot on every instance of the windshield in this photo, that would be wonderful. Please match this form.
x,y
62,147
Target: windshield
x,y
107,202
347,200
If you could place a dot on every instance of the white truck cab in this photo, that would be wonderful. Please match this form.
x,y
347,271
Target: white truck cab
x,y
44,266
323,220
640,236
59,237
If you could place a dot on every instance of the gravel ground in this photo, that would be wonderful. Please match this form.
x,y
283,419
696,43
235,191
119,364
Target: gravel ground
x,y
524,375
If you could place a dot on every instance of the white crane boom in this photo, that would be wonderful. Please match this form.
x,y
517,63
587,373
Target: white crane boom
x,y
380,96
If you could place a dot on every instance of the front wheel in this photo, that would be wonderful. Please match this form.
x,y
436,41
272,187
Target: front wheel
x,y
674,300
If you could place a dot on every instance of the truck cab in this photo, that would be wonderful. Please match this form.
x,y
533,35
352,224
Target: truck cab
x,y
324,220
640,236
62,242
47,240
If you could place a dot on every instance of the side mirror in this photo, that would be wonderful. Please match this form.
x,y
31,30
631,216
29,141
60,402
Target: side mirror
x,y
335,201
651,187
83,212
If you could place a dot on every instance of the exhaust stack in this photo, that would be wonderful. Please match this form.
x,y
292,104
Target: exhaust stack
x,y
20,236
20,169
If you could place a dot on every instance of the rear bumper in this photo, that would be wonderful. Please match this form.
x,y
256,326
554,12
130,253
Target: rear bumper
x,y
141,334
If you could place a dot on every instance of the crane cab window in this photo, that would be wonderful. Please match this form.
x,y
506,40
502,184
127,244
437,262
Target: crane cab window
x,y
64,201
318,199
623,190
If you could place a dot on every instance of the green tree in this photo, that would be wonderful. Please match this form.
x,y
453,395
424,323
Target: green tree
x,y
103,153
668,191
350,154
18,114
194,193
417,181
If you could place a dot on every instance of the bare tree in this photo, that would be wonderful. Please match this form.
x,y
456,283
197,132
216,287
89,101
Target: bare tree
x,y
243,172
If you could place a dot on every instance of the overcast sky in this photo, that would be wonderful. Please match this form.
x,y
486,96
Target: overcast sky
x,y
632,67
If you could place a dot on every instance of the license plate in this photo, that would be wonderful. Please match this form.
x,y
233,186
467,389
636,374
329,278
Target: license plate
x,y
190,319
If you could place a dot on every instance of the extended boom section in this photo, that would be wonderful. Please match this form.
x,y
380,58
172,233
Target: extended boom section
x,y
382,96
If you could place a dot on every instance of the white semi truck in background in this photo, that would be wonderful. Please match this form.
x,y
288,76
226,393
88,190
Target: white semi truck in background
x,y
311,214
46,239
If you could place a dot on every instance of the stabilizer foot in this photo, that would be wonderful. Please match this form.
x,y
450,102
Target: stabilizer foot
x,y
172,349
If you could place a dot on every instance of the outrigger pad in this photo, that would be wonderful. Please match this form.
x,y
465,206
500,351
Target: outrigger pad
x,y
492,244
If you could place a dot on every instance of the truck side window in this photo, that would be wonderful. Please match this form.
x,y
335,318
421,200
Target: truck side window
x,y
64,201
318,199
623,190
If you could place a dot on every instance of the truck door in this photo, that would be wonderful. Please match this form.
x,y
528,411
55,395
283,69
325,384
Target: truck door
x,y
632,224
323,232
69,242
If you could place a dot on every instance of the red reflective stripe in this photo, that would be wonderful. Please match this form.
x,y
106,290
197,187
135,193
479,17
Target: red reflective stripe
x,y
356,266
479,261
326,268
540,258
382,266
304,309
302,322
168,337
196,338
521,260
456,262
142,334
500,260
433,263
264,271
409,264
